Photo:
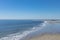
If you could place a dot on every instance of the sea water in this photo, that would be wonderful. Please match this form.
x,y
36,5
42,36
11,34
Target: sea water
x,y
18,29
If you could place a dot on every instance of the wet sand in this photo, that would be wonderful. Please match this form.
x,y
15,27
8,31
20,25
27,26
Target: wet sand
x,y
47,37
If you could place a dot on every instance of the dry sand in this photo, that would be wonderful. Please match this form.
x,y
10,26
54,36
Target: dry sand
x,y
47,37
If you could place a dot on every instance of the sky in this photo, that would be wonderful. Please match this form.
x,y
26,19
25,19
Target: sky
x,y
29,9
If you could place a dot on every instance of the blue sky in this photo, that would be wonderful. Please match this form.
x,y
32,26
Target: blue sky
x,y
29,9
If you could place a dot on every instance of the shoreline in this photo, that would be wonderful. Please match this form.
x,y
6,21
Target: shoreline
x,y
52,34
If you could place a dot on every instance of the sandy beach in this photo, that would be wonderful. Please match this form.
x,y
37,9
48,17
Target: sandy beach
x,y
47,37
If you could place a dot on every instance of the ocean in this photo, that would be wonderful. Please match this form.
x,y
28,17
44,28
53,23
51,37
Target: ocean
x,y
23,29
19,29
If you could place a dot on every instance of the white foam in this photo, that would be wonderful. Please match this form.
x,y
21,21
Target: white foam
x,y
19,36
